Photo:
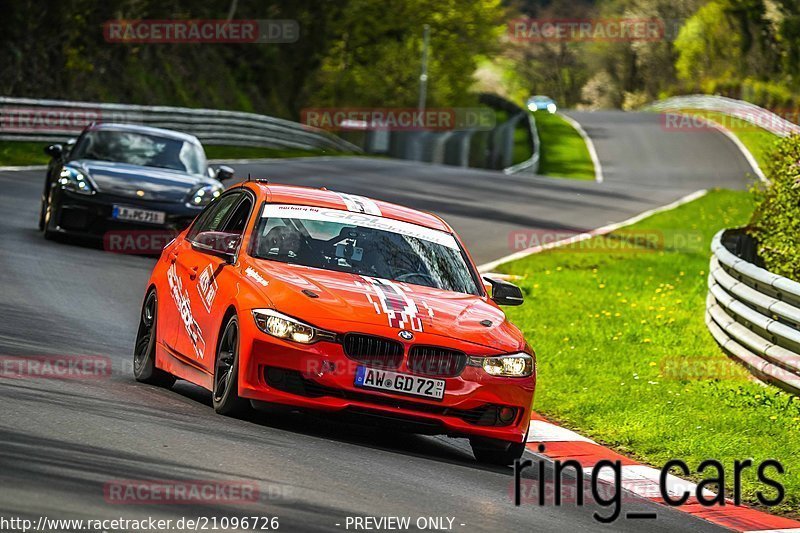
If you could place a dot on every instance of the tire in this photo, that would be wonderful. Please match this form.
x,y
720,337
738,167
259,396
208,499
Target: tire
x,y
497,452
225,396
41,214
46,221
144,351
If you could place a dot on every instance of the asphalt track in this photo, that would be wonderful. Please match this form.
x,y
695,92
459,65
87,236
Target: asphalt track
x,y
61,441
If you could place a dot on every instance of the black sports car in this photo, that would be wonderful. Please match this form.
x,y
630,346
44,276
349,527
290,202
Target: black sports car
x,y
120,177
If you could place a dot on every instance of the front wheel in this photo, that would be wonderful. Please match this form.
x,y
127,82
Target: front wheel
x,y
144,352
496,452
225,395
45,219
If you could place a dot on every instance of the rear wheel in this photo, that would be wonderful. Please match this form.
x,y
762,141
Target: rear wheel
x,y
144,352
225,396
496,452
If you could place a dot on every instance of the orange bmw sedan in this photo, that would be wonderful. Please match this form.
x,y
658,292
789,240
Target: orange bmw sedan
x,y
332,302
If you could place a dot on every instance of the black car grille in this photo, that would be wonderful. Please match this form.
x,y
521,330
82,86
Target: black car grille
x,y
435,361
373,351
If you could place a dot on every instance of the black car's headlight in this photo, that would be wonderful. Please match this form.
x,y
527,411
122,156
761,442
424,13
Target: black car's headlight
x,y
201,196
518,365
76,181
282,326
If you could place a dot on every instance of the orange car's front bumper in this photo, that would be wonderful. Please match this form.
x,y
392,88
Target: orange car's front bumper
x,y
321,377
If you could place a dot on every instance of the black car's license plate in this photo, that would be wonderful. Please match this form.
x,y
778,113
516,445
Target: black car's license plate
x,y
133,214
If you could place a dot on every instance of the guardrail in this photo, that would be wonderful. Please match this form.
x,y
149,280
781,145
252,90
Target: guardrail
x,y
501,151
740,109
25,119
530,165
754,315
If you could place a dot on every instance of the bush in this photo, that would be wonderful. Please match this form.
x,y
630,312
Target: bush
x,y
776,220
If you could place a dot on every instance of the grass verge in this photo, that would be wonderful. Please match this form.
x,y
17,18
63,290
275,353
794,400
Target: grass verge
x,y
563,152
625,357
13,153
18,153
257,152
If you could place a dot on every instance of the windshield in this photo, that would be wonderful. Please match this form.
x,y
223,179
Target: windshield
x,y
141,149
361,244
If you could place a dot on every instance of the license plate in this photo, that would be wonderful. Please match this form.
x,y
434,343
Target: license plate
x,y
371,378
132,214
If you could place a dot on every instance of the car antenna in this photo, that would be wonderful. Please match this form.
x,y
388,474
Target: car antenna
x,y
248,177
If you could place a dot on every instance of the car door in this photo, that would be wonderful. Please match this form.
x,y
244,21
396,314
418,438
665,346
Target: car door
x,y
202,274
188,268
219,273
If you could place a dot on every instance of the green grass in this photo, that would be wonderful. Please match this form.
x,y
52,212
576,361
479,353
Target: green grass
x,y
563,151
625,357
22,153
32,153
757,140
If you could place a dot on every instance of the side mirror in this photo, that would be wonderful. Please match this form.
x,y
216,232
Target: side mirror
x,y
54,150
217,243
224,173
505,293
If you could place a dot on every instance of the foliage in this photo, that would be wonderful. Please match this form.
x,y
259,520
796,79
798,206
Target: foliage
x,y
350,52
776,220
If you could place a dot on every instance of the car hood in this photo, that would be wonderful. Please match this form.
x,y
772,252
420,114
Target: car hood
x,y
135,181
383,307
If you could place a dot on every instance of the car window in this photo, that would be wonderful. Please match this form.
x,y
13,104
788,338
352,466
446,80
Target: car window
x,y
238,220
366,245
215,215
142,149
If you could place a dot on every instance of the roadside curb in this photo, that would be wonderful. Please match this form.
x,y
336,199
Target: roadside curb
x,y
598,168
560,444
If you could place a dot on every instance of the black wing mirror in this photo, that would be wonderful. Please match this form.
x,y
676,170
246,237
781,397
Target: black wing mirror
x,y
505,293
54,150
217,243
224,173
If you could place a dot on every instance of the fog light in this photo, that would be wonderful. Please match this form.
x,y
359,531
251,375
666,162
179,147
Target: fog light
x,y
506,414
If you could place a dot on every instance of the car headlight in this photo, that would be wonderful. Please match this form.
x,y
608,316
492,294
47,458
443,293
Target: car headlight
x,y
516,365
202,196
74,180
282,326
552,108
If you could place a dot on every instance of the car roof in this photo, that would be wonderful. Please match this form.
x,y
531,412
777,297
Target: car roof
x,y
161,132
297,195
